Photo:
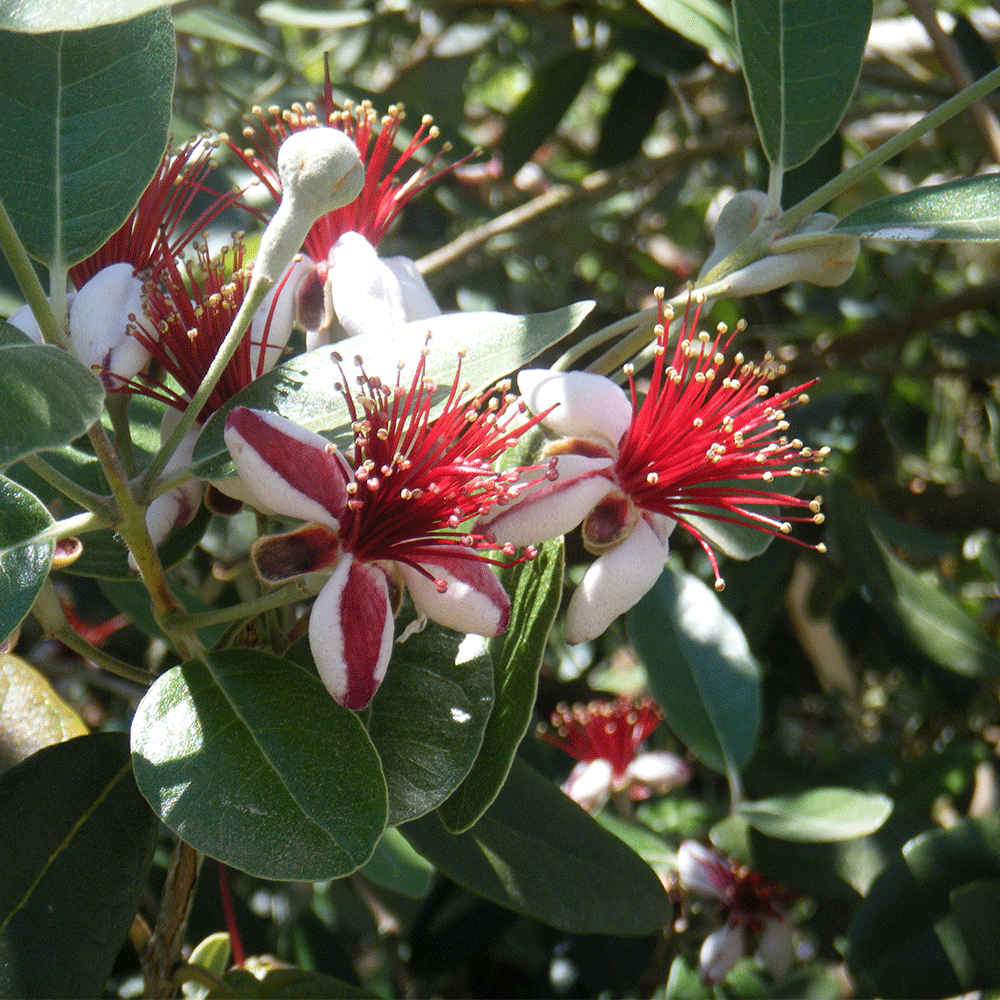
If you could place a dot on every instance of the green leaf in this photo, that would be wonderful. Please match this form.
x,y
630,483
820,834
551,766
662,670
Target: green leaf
x,y
214,955
538,853
932,620
651,847
801,62
70,15
905,940
304,388
85,123
534,118
700,669
535,589
32,715
704,22
25,559
428,717
977,906
397,866
286,984
49,399
75,855
963,211
819,815
248,758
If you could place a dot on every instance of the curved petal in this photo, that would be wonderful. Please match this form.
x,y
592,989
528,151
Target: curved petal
x,y
589,783
292,470
418,303
701,870
615,581
271,325
24,320
721,950
310,549
776,948
552,507
367,297
472,601
655,771
586,405
99,324
350,632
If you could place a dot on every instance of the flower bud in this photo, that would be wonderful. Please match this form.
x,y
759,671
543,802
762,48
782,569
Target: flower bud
x,y
24,320
739,217
99,324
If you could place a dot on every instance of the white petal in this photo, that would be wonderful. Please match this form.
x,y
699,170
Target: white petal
x,y
350,632
418,303
658,770
367,297
586,405
721,950
551,508
289,468
473,600
615,581
24,320
589,783
701,870
776,949
99,318
274,318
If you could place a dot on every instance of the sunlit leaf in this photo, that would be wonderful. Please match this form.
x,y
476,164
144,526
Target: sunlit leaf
x,y
248,758
801,62
85,123
537,852
819,815
76,853
397,866
71,15
963,211
32,715
700,669
25,558
704,22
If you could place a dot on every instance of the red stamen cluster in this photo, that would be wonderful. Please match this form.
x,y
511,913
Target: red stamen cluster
x,y
384,193
419,478
699,433
153,232
188,317
603,730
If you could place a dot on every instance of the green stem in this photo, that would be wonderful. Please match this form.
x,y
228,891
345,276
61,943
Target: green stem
x,y
629,323
78,524
259,287
102,506
116,403
49,613
27,281
268,602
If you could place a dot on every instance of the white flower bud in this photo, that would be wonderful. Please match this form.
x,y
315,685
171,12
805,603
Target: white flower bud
x,y
99,321
320,170
721,950
701,870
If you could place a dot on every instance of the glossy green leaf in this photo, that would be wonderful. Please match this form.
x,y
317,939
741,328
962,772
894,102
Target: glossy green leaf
x,y
397,866
932,620
651,847
801,61
70,15
304,388
963,211
25,558
704,22
977,915
49,399
214,955
85,123
819,815
248,758
538,853
700,669
286,984
32,715
904,939
535,588
428,717
554,88
76,852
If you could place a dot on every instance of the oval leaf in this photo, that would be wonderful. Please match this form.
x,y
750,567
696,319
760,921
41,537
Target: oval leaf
x,y
32,715
704,22
932,620
428,717
76,853
820,815
397,866
801,62
72,173
49,399
25,559
71,15
304,389
700,669
964,211
250,760
537,852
